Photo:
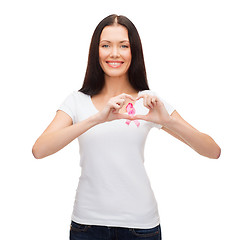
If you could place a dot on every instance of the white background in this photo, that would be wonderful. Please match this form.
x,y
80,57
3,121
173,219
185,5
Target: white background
x,y
191,51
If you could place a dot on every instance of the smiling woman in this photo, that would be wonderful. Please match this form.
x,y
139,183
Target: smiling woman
x,y
114,196
114,51
107,41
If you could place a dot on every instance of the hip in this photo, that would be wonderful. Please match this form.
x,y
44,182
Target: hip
x,y
94,232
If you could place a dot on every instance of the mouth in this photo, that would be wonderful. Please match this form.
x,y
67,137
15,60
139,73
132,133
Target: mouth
x,y
114,64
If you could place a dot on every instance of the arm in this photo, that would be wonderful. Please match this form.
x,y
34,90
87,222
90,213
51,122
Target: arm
x,y
178,127
198,141
60,133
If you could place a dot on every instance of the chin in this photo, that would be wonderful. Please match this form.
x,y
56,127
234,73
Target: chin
x,y
116,75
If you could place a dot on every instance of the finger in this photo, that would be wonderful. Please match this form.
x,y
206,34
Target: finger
x,y
159,102
124,116
156,101
120,101
139,97
146,101
149,102
142,96
117,103
115,107
125,95
153,102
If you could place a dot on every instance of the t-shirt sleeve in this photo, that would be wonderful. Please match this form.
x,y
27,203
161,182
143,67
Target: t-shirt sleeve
x,y
167,105
69,106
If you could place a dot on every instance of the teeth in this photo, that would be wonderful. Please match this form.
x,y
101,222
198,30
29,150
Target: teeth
x,y
114,63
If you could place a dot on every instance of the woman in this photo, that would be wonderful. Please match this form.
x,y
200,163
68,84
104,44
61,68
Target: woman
x,y
111,116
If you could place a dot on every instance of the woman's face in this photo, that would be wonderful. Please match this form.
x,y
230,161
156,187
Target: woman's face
x,y
114,51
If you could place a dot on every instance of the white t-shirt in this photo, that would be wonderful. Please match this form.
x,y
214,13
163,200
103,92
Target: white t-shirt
x,y
113,189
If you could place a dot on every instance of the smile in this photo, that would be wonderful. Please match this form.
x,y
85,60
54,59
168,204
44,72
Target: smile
x,y
114,64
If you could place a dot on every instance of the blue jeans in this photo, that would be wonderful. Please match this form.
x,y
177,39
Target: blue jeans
x,y
95,232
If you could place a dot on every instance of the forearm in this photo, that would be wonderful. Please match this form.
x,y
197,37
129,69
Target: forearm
x,y
52,142
198,141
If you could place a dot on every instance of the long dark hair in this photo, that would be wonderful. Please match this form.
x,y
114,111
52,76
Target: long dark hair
x,y
94,77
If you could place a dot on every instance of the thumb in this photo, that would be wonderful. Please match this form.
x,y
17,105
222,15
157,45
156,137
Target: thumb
x,y
124,116
141,117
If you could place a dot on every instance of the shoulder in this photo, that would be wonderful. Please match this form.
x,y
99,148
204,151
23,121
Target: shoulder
x,y
77,95
75,99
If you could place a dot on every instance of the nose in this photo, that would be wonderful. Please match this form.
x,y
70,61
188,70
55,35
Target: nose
x,y
114,53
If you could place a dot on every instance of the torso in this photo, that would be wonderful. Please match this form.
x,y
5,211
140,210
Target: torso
x,y
100,102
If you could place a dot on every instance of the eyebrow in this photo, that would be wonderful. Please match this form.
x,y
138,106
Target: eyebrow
x,y
110,41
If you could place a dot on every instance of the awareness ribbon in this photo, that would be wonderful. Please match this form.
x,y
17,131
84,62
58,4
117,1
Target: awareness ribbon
x,y
131,111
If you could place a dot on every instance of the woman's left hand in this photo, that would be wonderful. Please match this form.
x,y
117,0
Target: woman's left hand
x,y
157,111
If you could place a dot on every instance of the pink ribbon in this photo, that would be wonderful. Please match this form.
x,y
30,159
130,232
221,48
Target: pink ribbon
x,y
131,111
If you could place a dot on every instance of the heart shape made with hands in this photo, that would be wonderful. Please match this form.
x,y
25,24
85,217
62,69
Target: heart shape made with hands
x,y
150,102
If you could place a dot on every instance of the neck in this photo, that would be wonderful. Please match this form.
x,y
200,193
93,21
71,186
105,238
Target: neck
x,y
114,86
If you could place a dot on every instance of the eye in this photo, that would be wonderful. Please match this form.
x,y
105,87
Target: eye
x,y
105,46
124,46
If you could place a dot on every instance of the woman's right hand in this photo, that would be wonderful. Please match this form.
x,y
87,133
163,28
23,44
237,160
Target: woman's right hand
x,y
111,110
